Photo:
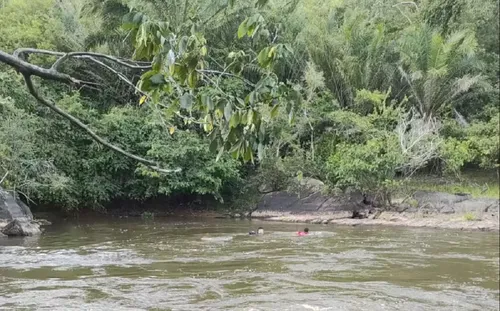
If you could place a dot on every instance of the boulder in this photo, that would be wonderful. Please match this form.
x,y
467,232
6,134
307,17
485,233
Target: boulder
x,y
310,199
439,198
19,227
312,185
265,188
16,218
12,208
447,203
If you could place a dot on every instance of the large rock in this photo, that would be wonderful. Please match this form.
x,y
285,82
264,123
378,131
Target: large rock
x,y
12,208
21,228
448,203
312,185
432,197
310,199
16,218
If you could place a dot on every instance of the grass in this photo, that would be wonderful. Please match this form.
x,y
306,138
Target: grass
x,y
470,216
479,184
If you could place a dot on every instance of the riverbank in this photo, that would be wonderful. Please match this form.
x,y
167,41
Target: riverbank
x,y
430,209
463,221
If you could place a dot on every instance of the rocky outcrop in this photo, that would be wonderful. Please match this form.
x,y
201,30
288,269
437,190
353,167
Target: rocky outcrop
x,y
458,203
21,228
16,218
312,200
12,208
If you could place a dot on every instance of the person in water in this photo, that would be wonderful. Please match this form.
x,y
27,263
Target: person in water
x,y
260,231
305,232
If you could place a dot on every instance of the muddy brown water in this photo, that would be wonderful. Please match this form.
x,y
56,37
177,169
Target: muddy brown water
x,y
206,264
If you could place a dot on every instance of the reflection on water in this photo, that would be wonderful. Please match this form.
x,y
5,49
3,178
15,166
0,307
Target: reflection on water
x,y
215,265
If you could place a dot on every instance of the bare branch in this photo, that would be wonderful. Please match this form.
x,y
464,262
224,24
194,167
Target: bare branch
x,y
64,56
22,51
4,176
127,63
119,74
419,140
29,69
221,73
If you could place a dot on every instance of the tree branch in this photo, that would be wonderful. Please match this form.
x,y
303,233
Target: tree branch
x,y
119,74
126,63
4,176
77,122
64,56
223,73
28,70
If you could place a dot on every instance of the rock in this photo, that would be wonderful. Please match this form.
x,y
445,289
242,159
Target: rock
x,y
439,197
310,200
265,188
447,209
375,214
359,214
312,185
21,228
42,222
12,208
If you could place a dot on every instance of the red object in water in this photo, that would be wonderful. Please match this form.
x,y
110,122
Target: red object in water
x,y
302,233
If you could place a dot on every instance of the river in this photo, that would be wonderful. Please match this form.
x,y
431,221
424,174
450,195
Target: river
x,y
195,264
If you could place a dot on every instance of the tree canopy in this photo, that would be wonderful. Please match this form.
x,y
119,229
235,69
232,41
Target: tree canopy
x,y
137,98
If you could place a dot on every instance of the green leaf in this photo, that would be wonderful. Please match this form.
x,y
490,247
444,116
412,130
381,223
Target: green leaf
x,y
206,100
183,44
260,151
186,101
219,155
170,58
247,153
236,146
214,145
203,50
192,79
250,117
228,111
254,31
263,57
274,111
235,120
242,29
157,79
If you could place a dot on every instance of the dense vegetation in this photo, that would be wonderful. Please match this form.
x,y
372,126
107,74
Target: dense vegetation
x,y
359,94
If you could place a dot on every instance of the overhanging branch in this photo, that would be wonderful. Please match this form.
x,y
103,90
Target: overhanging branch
x,y
28,70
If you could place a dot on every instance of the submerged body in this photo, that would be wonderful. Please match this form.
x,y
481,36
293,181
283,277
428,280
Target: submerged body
x,y
260,231
302,233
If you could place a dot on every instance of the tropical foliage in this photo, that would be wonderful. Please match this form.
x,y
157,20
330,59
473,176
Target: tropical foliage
x,y
225,96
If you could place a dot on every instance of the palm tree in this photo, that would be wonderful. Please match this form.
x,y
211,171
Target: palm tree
x,y
353,52
437,70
